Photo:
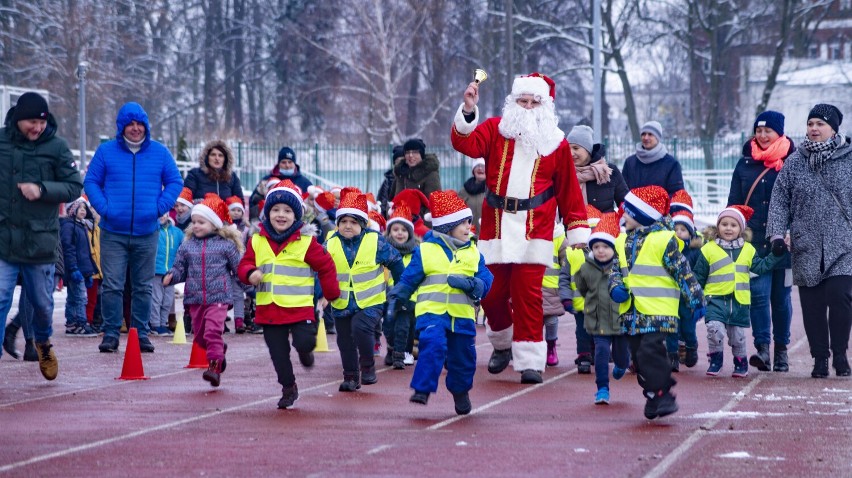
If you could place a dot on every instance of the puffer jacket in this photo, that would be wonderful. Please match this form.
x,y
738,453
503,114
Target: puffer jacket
x,y
204,179
169,240
208,266
29,230
425,176
600,311
132,190
75,248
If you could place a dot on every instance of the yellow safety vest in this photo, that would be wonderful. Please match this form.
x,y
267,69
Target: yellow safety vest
x,y
365,279
653,290
551,274
576,258
726,276
435,296
288,280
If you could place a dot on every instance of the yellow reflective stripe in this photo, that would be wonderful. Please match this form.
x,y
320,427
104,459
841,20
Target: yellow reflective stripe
x,y
367,276
443,297
283,270
369,293
649,270
741,268
436,279
654,293
720,278
719,264
287,279
364,278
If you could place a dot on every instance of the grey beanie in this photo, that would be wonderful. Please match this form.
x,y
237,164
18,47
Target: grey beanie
x,y
582,135
653,127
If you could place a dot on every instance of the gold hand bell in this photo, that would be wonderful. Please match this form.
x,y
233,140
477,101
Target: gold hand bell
x,y
479,75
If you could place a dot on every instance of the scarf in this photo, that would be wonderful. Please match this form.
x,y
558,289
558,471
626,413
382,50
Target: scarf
x,y
598,171
735,244
280,237
821,151
450,241
648,156
773,156
473,187
406,247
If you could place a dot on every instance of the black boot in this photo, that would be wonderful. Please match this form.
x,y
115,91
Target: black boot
x,y
691,358
760,360
820,368
351,382
499,360
779,362
9,340
841,365
398,361
462,403
674,362
30,354
368,375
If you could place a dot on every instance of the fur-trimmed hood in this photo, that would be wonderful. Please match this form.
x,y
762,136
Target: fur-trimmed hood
x,y
228,232
223,175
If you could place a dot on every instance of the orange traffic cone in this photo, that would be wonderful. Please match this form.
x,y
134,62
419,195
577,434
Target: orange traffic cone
x,y
132,369
198,357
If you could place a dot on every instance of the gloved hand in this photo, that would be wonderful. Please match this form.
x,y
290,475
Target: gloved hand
x,y
778,247
699,313
390,313
568,304
473,287
90,282
76,275
619,294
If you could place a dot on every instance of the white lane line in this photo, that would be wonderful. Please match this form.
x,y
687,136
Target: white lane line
x,y
379,449
705,429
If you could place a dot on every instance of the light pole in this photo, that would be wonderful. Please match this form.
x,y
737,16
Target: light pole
x,y
81,94
596,71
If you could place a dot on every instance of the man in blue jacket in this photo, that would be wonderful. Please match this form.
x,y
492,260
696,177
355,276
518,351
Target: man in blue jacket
x,y
131,182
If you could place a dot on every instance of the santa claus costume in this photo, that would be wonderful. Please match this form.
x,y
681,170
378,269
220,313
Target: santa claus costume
x,y
529,173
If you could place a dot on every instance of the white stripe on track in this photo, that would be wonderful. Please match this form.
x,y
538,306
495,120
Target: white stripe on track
x,y
705,429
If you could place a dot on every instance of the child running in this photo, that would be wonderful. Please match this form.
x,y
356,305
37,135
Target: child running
x,y
449,275
551,302
206,260
683,346
359,255
163,296
399,327
723,269
280,261
648,277
237,211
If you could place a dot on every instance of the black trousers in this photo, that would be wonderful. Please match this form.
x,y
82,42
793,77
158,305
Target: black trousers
x,y
356,337
827,314
653,370
277,339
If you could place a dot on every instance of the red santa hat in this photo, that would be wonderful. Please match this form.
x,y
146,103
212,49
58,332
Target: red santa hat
x,y
372,204
349,190
606,230
681,201
447,208
377,221
235,202
325,201
534,84
185,197
414,199
271,182
593,214
353,204
685,218
647,204
314,191
213,209
741,214
401,214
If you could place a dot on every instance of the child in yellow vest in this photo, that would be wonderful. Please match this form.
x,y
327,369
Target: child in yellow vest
x,y
649,276
280,261
683,346
449,275
399,327
550,293
359,255
724,269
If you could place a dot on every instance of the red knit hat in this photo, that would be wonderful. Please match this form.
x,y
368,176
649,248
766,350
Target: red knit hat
x,y
401,214
685,218
647,204
414,199
593,214
681,201
325,201
534,84
234,202
353,204
447,208
379,221
185,197
213,209
606,230
741,214
349,190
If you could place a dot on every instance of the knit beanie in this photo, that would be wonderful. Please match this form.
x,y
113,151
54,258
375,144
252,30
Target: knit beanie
x,y
287,153
741,214
828,113
653,127
415,144
285,192
583,136
398,152
30,106
647,204
770,119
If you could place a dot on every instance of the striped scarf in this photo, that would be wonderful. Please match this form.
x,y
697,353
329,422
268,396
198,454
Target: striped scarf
x,y
821,151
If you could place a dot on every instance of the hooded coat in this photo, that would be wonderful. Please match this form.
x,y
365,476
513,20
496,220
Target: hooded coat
x,y
132,190
425,176
204,179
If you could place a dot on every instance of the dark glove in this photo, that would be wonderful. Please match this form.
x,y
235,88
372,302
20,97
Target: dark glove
x,y
76,276
568,304
698,313
390,314
462,283
619,294
90,282
778,247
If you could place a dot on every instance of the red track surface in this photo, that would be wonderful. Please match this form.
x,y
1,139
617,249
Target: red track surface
x,y
86,423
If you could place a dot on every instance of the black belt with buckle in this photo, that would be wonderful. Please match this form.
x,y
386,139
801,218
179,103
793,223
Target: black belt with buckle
x,y
513,205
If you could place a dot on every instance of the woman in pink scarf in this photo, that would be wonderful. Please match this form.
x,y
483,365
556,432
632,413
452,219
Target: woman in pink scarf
x,y
601,182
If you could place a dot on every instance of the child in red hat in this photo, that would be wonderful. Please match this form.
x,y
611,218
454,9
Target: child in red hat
x,y
399,327
648,277
683,346
723,270
208,256
449,275
183,207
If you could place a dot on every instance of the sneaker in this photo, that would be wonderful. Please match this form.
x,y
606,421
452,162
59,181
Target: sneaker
x,y
409,359
691,358
841,365
618,372
602,396
368,376
329,329
164,331
213,374
109,344
552,357
255,329
307,359
377,349
145,345
715,367
398,361
70,329
289,396
660,406
740,367
350,383
820,368
419,397
531,376
462,403
47,362
240,328
584,363
76,330
153,332
499,360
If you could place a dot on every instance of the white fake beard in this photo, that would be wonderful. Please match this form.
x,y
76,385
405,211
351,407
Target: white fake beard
x,y
536,128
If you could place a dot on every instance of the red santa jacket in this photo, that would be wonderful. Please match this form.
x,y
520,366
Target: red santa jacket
x,y
516,170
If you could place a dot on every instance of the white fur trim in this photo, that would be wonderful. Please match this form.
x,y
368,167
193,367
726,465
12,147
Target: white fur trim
x,y
578,235
602,236
558,230
237,205
451,218
683,219
352,211
207,213
529,356
530,85
681,205
395,220
642,206
477,162
185,202
512,250
462,126
521,172
501,340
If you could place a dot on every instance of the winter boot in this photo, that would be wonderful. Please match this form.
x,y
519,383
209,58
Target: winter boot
x,y
552,358
47,362
172,322
389,356
531,376
691,357
213,374
30,354
716,359
462,403
760,360
662,404
498,362
779,362
421,398
584,363
841,365
681,352
351,382
674,362
368,376
289,395
9,340
820,368
740,367
398,361
239,325
307,358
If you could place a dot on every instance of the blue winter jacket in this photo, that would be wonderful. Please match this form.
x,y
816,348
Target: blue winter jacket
x,y
414,275
132,190
170,239
75,248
